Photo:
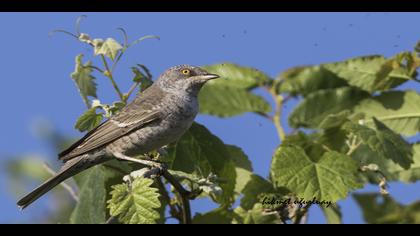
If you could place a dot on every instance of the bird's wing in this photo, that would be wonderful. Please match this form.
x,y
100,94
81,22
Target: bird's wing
x,y
107,132
132,117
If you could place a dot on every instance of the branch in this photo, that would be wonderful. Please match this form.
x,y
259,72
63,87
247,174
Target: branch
x,y
184,194
67,187
175,212
302,214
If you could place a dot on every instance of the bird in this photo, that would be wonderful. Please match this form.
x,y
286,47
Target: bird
x,y
156,117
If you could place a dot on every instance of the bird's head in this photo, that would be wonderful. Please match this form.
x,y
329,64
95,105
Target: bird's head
x,y
184,78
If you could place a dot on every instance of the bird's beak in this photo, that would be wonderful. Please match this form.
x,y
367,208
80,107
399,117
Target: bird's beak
x,y
209,77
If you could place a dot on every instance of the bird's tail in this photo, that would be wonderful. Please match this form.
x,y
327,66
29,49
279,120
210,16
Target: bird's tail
x,y
69,169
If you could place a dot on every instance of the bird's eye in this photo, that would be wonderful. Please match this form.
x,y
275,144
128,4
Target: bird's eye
x,y
186,72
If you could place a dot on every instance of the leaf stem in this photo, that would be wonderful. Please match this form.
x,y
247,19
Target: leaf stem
x,y
276,118
131,90
353,145
108,73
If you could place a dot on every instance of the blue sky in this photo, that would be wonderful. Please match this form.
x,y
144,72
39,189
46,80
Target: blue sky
x,y
35,68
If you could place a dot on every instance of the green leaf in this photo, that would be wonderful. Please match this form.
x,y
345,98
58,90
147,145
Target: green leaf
x,y
370,73
199,152
226,101
378,209
311,112
254,216
307,79
92,197
334,120
243,167
332,214
109,48
89,120
253,189
392,171
233,75
239,157
145,79
328,178
398,110
84,80
135,204
216,216
383,141
309,143
333,138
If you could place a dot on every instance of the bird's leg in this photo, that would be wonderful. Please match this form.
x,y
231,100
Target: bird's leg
x,y
121,156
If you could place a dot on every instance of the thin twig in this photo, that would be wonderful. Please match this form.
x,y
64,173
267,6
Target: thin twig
x,y
301,214
175,213
111,78
67,187
184,194
114,64
131,90
111,220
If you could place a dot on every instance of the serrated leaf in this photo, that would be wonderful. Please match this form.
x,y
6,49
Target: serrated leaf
x,y
255,186
199,152
216,216
89,120
83,78
135,204
329,178
233,75
392,171
91,208
370,73
225,101
308,79
383,141
398,110
318,105
243,167
379,209
109,48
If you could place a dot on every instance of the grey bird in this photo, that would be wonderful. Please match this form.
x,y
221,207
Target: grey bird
x,y
156,117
